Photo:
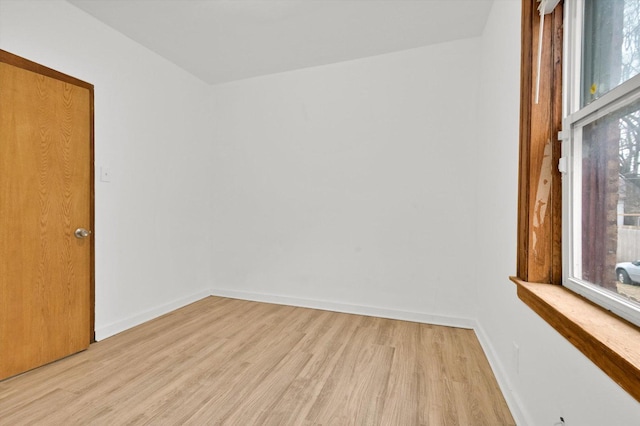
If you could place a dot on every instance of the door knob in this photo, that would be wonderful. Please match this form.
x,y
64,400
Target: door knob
x,y
82,233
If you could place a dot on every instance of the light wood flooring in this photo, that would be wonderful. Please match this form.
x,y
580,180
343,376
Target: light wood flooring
x,y
231,362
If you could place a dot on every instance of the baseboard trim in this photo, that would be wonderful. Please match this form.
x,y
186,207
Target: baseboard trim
x,y
513,401
132,321
347,308
521,417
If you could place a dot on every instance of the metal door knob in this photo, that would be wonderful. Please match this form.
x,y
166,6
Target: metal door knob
x,y
82,233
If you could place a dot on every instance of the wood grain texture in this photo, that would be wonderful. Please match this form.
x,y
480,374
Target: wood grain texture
x,y
45,194
25,64
230,362
524,160
540,197
610,342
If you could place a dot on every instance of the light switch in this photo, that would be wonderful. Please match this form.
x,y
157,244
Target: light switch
x,y
105,174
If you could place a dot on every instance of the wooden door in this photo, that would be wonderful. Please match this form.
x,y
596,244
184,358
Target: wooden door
x,y
46,193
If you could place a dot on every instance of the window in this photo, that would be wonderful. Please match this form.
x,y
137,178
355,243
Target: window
x,y
612,343
601,154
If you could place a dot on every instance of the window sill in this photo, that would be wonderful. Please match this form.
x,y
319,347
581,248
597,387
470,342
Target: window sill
x,y
613,344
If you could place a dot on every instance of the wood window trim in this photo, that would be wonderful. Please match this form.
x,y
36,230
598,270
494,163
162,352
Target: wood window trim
x,y
610,342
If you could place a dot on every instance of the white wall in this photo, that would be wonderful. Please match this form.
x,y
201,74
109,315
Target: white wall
x,y
352,183
152,232
373,183
369,183
554,379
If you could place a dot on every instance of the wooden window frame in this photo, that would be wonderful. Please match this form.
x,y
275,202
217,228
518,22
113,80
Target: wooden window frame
x,y
610,342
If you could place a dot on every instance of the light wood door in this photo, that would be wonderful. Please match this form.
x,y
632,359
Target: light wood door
x,y
46,172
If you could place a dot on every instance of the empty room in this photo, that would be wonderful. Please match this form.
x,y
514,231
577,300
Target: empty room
x,y
320,212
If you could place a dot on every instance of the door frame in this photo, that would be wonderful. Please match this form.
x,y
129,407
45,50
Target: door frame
x,y
20,62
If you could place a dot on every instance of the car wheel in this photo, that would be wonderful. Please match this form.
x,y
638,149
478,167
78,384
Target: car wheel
x,y
623,277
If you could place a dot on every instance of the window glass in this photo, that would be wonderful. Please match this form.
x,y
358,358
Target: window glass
x,y
610,211
602,194
611,48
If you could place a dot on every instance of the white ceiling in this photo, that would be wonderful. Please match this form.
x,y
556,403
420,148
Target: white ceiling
x,y
225,40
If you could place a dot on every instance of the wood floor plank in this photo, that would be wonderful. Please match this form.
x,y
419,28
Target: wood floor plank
x,y
326,345
401,404
231,362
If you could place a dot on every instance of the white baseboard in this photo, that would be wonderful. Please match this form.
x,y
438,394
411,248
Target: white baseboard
x,y
513,401
520,415
347,308
132,321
